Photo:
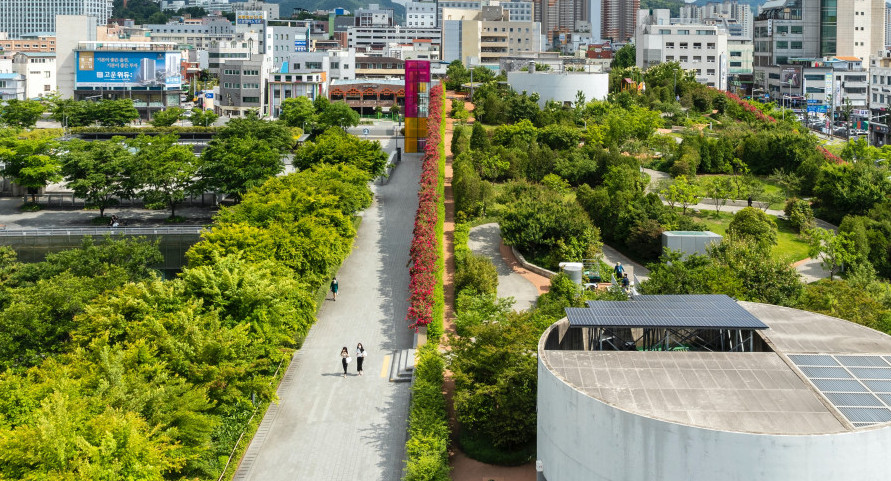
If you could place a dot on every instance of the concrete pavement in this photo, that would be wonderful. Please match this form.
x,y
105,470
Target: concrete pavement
x,y
485,240
327,427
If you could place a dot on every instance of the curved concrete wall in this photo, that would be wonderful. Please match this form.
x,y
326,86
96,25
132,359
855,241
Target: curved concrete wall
x,y
581,438
561,87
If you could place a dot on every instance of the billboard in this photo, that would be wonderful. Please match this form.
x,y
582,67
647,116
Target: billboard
x,y
300,45
791,77
129,69
250,17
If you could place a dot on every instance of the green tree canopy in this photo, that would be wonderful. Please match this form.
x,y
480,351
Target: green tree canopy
x,y
21,113
99,171
167,117
298,112
338,147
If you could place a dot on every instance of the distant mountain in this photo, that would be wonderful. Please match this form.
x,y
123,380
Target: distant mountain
x,y
288,6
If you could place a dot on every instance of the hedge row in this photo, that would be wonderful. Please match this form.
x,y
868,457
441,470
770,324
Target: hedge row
x,y
428,427
173,129
426,247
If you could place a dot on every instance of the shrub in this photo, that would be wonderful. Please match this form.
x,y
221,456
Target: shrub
x,y
476,273
800,214
428,429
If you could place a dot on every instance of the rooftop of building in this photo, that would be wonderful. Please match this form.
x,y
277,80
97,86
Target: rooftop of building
x,y
813,374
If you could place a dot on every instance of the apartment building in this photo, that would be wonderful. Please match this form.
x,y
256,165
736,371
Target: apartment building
x,y
243,86
12,86
39,71
377,38
618,19
738,16
482,37
697,47
21,17
420,14
200,36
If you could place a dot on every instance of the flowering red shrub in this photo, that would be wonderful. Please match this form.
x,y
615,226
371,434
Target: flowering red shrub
x,y
425,248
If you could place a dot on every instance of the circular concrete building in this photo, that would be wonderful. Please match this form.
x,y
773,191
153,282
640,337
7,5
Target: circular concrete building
x,y
706,388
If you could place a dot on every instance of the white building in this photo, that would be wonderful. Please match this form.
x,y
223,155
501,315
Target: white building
x,y
12,86
284,42
482,37
72,29
738,15
697,47
199,36
39,70
375,38
560,87
805,397
420,14
19,17
335,64
880,97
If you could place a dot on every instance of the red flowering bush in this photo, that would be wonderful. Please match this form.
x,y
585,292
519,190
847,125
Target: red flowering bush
x,y
425,246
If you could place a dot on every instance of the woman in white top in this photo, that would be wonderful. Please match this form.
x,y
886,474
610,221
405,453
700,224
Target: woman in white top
x,y
360,356
344,359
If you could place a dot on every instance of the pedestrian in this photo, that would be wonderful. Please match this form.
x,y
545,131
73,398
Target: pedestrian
x,y
334,287
619,270
360,357
625,281
345,359
750,201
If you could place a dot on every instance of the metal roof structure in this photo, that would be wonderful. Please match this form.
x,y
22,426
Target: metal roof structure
x,y
688,312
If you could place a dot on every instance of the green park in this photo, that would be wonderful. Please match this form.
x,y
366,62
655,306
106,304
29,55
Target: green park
x,y
109,370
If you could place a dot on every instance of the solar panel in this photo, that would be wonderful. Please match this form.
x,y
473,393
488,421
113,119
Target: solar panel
x,y
859,386
696,311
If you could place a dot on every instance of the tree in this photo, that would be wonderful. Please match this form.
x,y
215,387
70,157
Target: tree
x,y
835,250
70,112
298,112
479,139
753,225
275,134
30,163
232,166
718,190
790,182
338,147
682,192
21,113
800,214
166,170
167,117
99,171
113,113
202,118
626,57
338,114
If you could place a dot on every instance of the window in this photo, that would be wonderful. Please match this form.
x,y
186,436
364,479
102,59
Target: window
x,y
710,46
815,90
664,31
710,58
797,29
335,64
783,44
251,72
683,32
697,45
46,88
710,71
314,65
736,54
296,66
736,64
669,44
246,100
782,29
683,58
684,45
697,58
795,45
669,58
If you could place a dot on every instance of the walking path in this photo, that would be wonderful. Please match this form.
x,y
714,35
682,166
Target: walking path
x,y
327,427
485,240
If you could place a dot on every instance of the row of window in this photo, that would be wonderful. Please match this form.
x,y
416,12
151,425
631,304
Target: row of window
x,y
665,31
684,58
710,45
784,29
230,85
797,45
240,72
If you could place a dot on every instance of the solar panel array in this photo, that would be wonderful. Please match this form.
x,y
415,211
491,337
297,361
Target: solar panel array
x,y
859,386
680,311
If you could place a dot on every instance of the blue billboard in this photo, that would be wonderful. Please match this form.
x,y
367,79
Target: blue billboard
x,y
101,68
300,45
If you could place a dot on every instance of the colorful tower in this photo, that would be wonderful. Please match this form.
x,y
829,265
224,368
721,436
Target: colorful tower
x,y
417,104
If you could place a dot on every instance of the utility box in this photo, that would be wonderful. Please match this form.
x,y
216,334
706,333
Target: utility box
x,y
689,242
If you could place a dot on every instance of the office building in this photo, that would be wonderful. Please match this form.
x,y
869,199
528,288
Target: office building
x,y
336,64
420,14
377,38
286,84
192,35
697,47
150,74
243,86
21,17
285,41
374,16
702,387
618,19
482,37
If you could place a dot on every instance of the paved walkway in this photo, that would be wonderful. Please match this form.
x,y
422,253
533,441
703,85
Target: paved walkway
x,y
485,240
327,427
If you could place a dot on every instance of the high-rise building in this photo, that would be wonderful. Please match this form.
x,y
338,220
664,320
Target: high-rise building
x,y
887,25
19,17
619,19
729,12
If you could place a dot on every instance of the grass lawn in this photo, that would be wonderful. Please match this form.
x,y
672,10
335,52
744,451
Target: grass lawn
x,y
789,247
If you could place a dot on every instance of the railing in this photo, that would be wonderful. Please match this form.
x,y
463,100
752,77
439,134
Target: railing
x,y
100,231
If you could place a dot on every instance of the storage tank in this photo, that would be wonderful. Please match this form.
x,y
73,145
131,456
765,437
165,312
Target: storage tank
x,y
573,270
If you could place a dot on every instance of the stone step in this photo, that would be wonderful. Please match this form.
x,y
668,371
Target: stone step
x,y
402,366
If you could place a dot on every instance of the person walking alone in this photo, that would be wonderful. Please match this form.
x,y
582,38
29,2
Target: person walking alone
x,y
345,359
360,357
334,287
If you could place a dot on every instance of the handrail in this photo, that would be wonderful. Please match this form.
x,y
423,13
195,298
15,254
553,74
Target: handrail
x,y
100,231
